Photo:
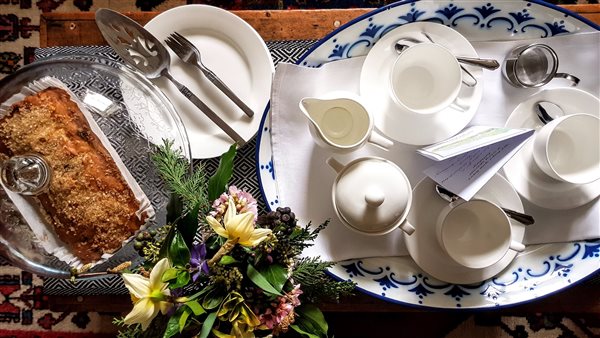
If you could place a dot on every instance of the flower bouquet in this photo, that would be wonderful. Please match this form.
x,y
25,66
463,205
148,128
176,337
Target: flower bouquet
x,y
219,269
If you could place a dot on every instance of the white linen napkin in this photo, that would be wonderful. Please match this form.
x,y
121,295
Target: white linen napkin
x,y
304,179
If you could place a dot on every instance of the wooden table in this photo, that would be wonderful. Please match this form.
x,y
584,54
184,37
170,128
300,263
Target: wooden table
x,y
79,29
61,29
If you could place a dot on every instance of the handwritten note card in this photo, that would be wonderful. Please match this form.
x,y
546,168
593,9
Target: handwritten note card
x,y
465,162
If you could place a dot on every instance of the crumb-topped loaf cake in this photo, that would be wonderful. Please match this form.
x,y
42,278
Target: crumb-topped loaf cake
x,y
89,204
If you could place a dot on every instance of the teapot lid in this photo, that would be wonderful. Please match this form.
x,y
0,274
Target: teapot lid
x,y
372,195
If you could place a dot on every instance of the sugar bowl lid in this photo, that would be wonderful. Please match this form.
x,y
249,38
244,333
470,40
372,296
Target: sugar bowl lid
x,y
371,195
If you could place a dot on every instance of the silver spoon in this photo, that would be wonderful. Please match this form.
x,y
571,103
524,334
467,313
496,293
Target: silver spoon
x,y
489,64
517,216
548,111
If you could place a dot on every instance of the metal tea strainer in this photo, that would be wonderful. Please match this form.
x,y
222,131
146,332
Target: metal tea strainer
x,y
533,66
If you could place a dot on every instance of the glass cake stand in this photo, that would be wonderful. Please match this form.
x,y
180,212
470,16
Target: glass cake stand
x,y
132,113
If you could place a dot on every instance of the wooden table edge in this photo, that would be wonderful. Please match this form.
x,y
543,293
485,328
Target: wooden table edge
x,y
579,299
60,29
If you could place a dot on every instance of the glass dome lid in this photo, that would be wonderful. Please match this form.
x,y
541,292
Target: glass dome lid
x,y
133,114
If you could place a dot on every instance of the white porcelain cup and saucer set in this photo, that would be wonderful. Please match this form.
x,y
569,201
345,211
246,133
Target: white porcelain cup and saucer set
x,y
421,87
559,167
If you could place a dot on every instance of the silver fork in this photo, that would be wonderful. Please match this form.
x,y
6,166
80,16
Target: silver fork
x,y
190,54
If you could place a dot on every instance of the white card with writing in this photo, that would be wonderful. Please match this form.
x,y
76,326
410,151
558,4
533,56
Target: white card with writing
x,y
465,162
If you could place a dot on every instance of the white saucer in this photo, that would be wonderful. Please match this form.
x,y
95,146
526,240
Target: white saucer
x,y
234,51
404,126
523,172
423,245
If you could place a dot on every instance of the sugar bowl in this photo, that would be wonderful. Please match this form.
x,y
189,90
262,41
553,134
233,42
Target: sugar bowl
x,y
371,195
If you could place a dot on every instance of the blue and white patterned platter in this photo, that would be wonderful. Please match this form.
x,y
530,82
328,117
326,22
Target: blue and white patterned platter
x,y
543,269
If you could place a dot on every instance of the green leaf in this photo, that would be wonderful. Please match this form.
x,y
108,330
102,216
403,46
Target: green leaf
x,y
172,326
183,278
217,184
310,318
202,292
188,225
276,275
164,248
174,209
302,332
183,319
210,302
208,324
260,280
226,260
195,307
179,254
169,274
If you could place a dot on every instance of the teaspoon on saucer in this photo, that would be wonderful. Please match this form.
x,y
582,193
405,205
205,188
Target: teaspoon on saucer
x,y
548,111
517,216
489,64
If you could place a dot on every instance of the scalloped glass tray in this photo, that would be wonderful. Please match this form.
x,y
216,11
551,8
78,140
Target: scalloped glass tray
x,y
542,269
132,113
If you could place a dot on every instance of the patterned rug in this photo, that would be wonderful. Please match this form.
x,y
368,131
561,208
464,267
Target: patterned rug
x,y
24,311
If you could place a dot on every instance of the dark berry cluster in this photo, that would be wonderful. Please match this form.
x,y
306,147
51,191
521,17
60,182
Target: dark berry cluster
x,y
142,239
282,220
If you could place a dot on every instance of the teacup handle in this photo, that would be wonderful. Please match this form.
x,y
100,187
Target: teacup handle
x,y
517,246
403,43
380,140
459,104
471,83
407,227
335,164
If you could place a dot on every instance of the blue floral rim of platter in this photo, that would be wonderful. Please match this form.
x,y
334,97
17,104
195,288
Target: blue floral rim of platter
x,y
546,268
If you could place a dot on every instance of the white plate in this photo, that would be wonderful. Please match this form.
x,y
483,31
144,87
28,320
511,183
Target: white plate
x,y
234,51
523,172
543,269
424,247
394,121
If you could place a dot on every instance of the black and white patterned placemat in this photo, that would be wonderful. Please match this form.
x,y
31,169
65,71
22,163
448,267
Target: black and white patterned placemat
x,y
244,174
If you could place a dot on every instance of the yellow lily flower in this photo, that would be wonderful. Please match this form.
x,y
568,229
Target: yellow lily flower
x,y
243,321
238,227
147,294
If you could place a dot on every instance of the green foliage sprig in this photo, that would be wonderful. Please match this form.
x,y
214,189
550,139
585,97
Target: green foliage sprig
x,y
187,184
310,273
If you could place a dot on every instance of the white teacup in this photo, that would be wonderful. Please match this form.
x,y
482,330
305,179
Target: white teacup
x,y
340,122
475,233
568,148
426,78
371,195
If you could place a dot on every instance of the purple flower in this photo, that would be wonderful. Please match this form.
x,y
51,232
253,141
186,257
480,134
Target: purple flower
x,y
198,261
175,293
